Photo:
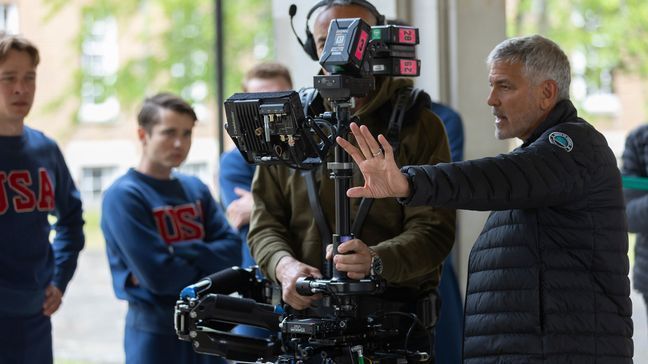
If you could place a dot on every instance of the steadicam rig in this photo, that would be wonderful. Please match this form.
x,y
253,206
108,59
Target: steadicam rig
x,y
350,322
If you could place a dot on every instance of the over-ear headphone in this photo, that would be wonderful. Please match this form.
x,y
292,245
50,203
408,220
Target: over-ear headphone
x,y
309,45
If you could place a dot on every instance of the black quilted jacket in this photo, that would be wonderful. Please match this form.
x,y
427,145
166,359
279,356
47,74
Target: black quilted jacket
x,y
548,275
635,163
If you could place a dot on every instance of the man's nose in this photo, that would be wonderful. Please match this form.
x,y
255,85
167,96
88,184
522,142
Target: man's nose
x,y
492,100
20,87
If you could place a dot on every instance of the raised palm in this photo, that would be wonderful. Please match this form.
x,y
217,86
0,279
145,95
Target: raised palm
x,y
382,176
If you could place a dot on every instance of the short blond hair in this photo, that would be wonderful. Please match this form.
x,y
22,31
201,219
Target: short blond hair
x,y
18,43
267,70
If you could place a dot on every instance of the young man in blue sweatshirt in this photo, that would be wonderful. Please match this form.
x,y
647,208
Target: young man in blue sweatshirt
x,y
34,183
163,232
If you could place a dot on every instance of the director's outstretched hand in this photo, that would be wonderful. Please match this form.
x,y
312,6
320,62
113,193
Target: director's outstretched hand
x,y
376,161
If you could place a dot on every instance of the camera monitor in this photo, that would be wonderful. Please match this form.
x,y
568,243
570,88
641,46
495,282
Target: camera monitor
x,y
270,128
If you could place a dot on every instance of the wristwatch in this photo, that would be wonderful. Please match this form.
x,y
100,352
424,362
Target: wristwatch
x,y
376,263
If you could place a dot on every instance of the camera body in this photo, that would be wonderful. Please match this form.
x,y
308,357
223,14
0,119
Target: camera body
x,y
275,128
354,48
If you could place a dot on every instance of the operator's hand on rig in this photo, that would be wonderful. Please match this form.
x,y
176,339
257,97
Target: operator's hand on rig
x,y
382,175
287,272
354,258
239,211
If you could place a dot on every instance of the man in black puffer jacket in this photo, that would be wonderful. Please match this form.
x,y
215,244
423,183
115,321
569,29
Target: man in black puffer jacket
x,y
548,276
635,163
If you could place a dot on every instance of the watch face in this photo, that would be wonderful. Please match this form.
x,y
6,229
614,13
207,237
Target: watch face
x,y
376,265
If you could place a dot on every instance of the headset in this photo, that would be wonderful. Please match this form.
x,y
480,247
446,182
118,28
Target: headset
x,y
309,45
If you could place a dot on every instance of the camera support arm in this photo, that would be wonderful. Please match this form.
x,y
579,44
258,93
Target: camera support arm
x,y
203,321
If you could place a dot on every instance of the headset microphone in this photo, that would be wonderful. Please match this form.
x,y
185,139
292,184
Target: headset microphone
x,y
292,11
308,45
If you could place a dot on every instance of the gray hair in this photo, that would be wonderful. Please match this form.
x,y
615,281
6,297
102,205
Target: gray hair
x,y
542,59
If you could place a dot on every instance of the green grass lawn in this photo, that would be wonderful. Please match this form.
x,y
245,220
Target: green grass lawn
x,y
94,238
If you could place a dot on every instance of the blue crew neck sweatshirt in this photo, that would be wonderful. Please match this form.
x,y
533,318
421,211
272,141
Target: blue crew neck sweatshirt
x,y
35,183
166,234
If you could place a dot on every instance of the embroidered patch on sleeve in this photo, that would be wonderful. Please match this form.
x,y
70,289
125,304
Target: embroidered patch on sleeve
x,y
562,140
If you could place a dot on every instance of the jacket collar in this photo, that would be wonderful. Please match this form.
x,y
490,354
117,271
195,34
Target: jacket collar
x,y
563,111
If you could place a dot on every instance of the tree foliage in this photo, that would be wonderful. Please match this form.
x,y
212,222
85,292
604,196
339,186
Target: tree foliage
x,y
171,46
609,33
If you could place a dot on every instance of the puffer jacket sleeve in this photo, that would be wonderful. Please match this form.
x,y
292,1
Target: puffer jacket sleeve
x,y
536,175
635,158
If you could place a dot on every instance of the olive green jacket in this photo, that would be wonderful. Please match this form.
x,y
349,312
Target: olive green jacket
x,y
411,241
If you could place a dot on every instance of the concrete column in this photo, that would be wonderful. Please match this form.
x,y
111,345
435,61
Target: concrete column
x,y
424,16
456,36
474,28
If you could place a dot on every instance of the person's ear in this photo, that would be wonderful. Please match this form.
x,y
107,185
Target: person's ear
x,y
141,134
549,94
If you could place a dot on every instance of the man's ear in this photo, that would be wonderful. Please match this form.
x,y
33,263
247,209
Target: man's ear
x,y
549,94
141,134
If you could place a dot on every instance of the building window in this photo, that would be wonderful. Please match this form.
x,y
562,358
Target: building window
x,y
198,169
94,180
99,55
9,18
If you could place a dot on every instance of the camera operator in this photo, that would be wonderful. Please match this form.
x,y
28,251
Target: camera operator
x,y
405,245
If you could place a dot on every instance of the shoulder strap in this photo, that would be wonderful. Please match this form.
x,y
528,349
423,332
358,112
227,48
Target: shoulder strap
x,y
313,105
405,99
326,234
398,115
